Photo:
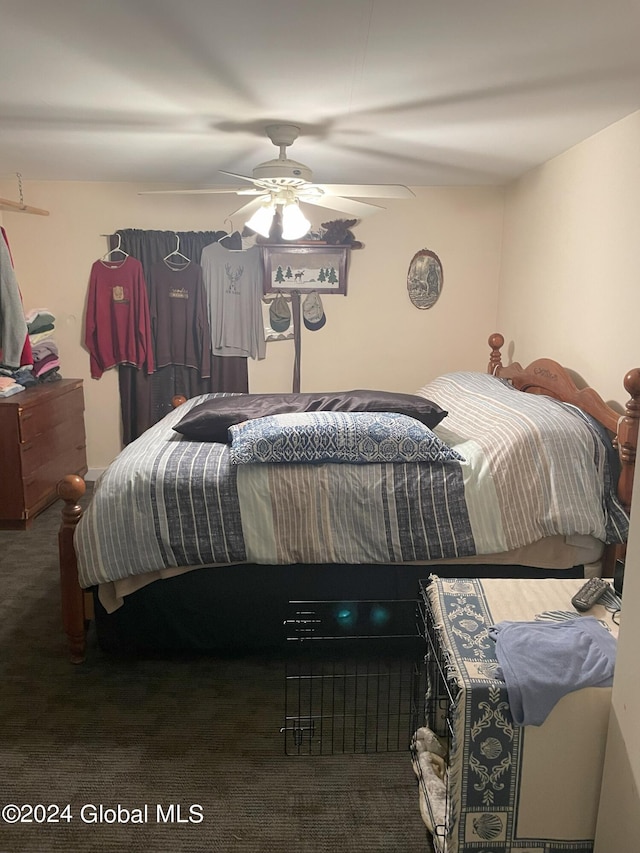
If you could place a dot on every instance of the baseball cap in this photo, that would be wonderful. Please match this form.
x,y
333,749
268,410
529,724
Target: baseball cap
x,y
279,314
313,312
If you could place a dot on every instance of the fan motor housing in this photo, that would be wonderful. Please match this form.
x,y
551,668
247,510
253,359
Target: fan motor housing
x,y
283,168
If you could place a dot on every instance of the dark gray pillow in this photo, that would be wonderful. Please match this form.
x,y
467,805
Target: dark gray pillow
x,y
210,421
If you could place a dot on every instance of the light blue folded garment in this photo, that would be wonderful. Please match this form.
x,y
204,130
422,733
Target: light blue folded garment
x,y
10,390
543,661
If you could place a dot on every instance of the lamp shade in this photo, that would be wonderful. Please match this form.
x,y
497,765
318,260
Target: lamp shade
x,y
294,222
262,219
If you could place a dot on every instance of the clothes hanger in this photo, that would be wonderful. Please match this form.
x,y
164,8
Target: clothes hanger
x,y
177,254
234,235
107,257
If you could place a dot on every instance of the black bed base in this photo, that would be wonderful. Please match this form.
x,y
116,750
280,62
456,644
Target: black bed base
x,y
245,608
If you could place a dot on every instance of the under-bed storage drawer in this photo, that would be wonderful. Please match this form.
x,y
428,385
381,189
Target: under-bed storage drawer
x,y
42,438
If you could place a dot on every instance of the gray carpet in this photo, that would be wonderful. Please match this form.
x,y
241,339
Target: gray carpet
x,y
199,732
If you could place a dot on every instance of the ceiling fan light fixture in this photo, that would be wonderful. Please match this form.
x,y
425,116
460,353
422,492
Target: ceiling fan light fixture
x,y
262,219
294,223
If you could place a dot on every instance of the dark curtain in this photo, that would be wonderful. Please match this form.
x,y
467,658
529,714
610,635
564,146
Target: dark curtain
x,y
146,399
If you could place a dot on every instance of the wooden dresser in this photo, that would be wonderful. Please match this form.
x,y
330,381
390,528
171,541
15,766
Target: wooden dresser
x,y
42,438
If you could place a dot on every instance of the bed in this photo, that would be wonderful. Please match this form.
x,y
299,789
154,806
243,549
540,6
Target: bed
x,y
181,547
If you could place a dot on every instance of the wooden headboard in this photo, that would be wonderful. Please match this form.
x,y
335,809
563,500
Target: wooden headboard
x,y
545,376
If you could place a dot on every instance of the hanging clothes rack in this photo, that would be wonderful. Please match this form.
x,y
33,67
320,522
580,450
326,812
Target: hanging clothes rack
x,y
20,206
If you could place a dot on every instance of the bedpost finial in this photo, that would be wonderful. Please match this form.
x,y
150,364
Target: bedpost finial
x,y
632,385
71,488
496,341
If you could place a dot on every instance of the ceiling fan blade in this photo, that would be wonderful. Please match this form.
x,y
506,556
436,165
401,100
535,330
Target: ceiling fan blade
x,y
368,190
248,209
342,205
193,192
235,175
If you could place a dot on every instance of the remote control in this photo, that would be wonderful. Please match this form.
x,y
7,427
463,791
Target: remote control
x,y
590,593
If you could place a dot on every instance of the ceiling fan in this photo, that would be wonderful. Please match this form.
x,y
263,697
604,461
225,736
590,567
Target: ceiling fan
x,y
283,183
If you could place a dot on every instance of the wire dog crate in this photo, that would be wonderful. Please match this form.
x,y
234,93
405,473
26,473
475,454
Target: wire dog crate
x,y
353,677
434,713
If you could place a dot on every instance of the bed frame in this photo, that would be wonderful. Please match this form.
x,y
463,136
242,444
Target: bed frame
x,y
543,376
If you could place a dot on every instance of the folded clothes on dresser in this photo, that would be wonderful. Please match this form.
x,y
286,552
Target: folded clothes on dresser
x,y
10,390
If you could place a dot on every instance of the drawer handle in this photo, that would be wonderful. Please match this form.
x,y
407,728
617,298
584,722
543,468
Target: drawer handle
x,y
26,447
24,416
30,481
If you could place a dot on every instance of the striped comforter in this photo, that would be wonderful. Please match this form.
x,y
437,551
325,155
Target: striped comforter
x,y
533,468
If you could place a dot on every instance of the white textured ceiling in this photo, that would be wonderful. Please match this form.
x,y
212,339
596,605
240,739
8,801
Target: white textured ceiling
x,y
418,92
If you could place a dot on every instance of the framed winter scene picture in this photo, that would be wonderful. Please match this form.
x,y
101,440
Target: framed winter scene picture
x,y
305,268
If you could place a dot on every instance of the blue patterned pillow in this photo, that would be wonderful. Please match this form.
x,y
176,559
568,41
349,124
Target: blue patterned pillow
x,y
354,437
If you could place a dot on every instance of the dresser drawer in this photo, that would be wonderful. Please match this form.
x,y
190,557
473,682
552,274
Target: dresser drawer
x,y
33,421
39,486
50,446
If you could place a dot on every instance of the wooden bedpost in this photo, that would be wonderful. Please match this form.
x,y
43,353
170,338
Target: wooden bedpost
x,y
70,489
627,439
626,442
496,342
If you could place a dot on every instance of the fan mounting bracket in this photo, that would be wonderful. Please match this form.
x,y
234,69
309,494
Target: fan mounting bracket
x,y
282,134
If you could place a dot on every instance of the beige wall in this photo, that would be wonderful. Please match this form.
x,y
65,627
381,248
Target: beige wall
x,y
569,289
569,279
374,337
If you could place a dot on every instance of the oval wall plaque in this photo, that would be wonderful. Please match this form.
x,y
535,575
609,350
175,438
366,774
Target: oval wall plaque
x,y
424,279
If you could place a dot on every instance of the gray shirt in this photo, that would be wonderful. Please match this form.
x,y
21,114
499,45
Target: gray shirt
x,y
233,283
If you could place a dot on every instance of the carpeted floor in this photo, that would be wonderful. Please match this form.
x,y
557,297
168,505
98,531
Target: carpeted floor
x,y
195,740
